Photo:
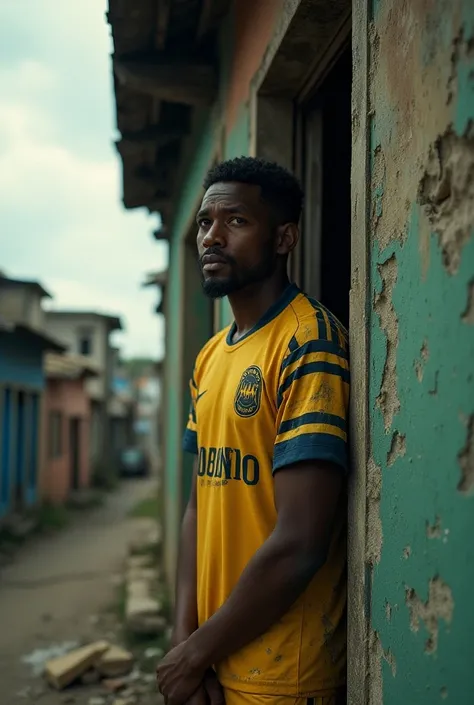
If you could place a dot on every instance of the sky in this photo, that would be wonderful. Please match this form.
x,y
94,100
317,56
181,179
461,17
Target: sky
x,y
61,218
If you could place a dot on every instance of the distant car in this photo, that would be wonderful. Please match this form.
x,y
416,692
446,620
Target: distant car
x,y
133,462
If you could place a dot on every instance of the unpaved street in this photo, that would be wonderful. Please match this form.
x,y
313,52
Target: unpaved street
x,y
59,589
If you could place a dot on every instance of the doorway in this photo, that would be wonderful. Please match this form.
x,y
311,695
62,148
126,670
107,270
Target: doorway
x,y
326,144
21,453
5,451
74,449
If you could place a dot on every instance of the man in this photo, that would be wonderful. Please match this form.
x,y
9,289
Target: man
x,y
261,585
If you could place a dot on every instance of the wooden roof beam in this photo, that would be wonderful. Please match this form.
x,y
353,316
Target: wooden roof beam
x,y
190,82
133,142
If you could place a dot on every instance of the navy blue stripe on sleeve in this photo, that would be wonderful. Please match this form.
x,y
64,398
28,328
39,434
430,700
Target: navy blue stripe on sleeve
x,y
190,444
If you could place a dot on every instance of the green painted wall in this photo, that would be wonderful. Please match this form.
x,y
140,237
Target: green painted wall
x,y
420,497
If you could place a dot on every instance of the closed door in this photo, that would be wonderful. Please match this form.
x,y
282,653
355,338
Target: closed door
x,y
74,445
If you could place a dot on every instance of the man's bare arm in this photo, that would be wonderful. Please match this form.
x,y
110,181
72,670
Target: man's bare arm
x,y
186,618
306,497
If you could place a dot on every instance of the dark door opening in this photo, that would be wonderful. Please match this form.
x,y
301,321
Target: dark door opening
x,y
74,446
326,261
6,452
21,453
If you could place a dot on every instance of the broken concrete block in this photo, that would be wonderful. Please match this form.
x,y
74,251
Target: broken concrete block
x,y
90,677
115,662
62,671
113,685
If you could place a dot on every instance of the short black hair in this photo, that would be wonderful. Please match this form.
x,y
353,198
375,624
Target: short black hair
x,y
279,188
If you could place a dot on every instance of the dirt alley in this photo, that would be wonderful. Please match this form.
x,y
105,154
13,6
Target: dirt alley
x,y
59,588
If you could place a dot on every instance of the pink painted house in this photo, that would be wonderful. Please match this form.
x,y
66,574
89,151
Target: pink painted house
x,y
66,425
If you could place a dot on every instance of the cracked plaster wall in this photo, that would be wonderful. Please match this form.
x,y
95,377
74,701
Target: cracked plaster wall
x,y
420,480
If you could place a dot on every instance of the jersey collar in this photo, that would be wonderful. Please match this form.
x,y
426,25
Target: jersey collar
x,y
286,298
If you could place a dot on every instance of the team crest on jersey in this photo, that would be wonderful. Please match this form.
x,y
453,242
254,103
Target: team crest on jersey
x,y
249,392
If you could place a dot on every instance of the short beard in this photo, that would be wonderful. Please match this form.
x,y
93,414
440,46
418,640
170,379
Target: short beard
x,y
218,288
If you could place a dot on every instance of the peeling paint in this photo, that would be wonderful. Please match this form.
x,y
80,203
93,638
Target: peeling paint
x,y
468,313
420,364
398,448
439,605
375,682
433,531
447,194
377,654
466,460
388,400
374,523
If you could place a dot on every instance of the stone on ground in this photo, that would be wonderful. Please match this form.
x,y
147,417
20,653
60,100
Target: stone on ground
x,y
115,662
64,670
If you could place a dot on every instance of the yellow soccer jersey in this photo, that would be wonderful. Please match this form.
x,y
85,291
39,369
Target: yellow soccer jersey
x,y
277,396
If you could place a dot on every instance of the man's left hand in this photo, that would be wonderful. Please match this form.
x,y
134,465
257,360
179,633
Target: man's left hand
x,y
178,675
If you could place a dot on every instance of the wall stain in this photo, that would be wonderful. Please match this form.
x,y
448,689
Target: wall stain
x,y
466,460
407,552
398,448
446,193
373,520
434,391
420,364
433,531
468,314
439,605
387,399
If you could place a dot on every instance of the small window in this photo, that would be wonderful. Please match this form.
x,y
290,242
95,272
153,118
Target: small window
x,y
55,434
85,343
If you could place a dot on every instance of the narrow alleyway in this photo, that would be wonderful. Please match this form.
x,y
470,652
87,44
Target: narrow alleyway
x,y
60,589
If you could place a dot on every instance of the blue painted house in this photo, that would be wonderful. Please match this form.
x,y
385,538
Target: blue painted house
x,y
22,344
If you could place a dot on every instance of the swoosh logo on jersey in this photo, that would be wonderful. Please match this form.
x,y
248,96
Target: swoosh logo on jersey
x,y
200,395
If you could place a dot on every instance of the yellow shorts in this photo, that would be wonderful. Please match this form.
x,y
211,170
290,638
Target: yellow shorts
x,y
234,697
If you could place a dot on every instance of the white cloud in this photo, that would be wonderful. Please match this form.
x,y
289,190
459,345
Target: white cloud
x,y
60,217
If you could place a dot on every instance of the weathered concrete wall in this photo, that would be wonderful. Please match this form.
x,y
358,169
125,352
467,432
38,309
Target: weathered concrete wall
x,y
420,511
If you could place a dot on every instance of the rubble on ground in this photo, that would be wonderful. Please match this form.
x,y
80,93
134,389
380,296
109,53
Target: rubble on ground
x,y
143,611
64,670
102,672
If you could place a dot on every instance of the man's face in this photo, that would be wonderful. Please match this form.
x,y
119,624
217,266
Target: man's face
x,y
236,243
